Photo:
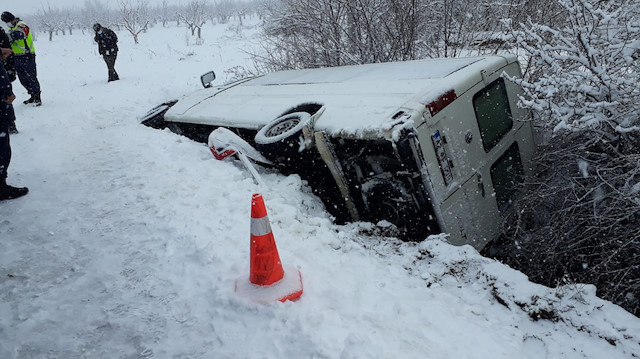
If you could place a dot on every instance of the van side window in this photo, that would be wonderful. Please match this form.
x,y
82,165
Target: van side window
x,y
491,105
506,175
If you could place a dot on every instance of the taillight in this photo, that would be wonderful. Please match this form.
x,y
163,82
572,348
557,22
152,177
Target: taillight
x,y
441,102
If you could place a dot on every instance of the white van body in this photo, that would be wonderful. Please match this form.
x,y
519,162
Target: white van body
x,y
430,145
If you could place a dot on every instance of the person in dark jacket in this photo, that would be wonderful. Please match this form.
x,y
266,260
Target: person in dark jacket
x,y
108,48
6,116
7,61
9,66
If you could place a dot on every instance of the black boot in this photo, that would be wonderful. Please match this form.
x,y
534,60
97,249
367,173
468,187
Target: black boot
x,y
10,192
34,99
12,128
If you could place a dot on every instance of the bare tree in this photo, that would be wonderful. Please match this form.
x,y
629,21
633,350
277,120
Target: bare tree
x,y
164,13
195,16
95,11
135,16
313,33
223,10
68,20
242,10
49,20
451,27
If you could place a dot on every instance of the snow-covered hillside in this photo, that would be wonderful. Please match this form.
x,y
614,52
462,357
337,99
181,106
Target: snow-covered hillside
x,y
131,239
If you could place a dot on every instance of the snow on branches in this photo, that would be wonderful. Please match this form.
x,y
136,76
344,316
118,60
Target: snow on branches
x,y
588,71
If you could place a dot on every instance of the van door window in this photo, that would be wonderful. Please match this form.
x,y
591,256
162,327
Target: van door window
x,y
493,113
506,175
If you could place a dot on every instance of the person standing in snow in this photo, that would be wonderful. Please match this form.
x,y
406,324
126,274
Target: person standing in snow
x,y
24,54
7,62
108,48
6,116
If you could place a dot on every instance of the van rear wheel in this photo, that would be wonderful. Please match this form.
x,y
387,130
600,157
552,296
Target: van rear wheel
x,y
386,201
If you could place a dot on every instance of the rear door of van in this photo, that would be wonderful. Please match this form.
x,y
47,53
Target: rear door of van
x,y
480,143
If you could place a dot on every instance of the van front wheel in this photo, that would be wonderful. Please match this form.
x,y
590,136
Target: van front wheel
x,y
281,140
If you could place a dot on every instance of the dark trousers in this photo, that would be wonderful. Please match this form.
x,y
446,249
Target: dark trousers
x,y
6,117
26,69
111,66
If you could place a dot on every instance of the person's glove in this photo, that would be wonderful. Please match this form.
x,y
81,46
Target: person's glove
x,y
6,52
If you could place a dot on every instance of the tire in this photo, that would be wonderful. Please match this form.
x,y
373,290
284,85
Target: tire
x,y
280,139
386,201
155,117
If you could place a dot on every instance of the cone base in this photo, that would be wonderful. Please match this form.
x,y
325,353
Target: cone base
x,y
287,288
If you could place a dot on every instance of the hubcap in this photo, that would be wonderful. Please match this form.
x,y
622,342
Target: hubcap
x,y
283,126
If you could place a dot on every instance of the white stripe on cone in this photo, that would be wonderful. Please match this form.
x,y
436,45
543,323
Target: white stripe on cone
x,y
260,226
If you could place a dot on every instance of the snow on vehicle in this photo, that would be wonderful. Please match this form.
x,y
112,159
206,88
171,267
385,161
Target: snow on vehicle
x,y
430,145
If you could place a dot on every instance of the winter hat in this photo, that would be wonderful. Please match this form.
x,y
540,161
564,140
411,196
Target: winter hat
x,y
96,27
7,17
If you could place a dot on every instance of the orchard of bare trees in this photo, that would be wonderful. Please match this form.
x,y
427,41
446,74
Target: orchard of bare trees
x,y
578,220
137,16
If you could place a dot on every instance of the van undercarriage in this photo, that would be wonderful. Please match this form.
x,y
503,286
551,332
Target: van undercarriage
x,y
357,179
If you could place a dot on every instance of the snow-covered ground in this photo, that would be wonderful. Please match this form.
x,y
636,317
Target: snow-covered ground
x,y
131,239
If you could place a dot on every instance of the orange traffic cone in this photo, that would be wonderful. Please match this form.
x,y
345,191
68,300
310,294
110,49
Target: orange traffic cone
x,y
268,279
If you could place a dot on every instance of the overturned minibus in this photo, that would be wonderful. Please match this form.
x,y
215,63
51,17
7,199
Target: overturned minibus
x,y
429,146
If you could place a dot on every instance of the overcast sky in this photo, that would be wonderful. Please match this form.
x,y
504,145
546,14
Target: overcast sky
x,y
23,7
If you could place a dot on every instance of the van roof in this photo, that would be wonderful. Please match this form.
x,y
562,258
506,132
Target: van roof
x,y
358,99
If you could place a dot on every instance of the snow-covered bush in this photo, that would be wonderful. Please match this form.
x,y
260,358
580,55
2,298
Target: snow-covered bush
x,y
580,217
580,220
587,71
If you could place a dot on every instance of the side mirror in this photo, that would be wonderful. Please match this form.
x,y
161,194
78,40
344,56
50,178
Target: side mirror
x,y
224,143
207,79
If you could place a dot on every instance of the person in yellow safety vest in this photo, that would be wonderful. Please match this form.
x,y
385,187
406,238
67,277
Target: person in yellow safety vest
x,y
24,56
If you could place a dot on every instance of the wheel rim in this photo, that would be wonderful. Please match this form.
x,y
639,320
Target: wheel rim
x,y
282,127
